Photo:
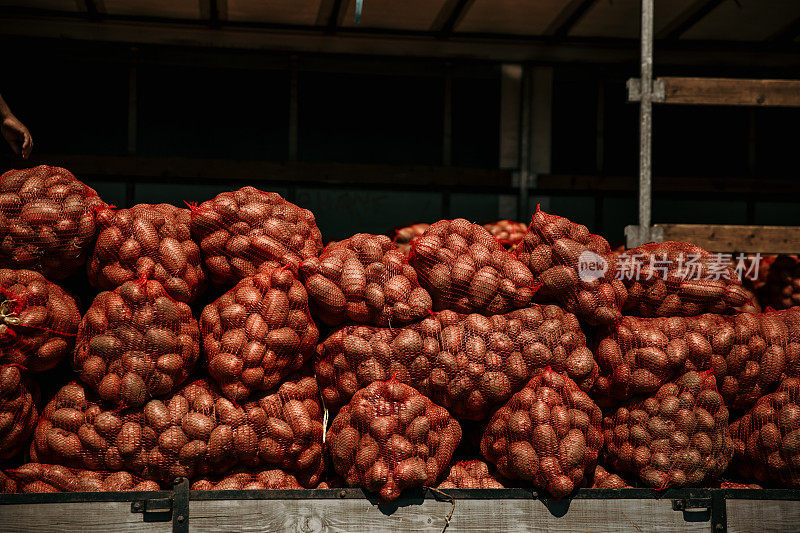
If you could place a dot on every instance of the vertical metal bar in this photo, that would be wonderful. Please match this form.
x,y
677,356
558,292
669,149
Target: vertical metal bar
x,y
646,123
132,110
447,130
525,144
293,109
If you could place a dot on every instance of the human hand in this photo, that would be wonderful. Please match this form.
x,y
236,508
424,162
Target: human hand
x,y
17,135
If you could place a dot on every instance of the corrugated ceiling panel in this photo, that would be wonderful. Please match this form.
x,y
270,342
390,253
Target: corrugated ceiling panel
x,y
53,5
177,9
405,15
299,12
755,20
621,18
519,17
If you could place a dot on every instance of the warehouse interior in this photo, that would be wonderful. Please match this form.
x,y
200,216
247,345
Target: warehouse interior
x,y
414,113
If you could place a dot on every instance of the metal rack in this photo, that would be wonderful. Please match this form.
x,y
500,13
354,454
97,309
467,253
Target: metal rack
x,y
181,510
700,91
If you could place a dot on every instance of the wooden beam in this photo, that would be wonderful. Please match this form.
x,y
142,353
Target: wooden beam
x,y
731,92
688,18
452,12
190,169
568,18
788,33
729,238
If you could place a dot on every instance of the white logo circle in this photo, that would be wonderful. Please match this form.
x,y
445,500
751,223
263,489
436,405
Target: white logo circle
x,y
591,266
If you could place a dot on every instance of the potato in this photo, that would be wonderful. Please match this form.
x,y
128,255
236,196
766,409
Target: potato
x,y
373,452
238,231
364,279
147,240
18,411
571,268
468,364
548,434
38,321
36,477
136,343
766,439
49,220
403,237
603,479
677,437
467,270
258,333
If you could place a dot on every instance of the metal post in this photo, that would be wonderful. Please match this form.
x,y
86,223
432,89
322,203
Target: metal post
x,y
646,123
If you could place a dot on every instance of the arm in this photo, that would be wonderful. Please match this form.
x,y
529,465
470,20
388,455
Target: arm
x,y
14,131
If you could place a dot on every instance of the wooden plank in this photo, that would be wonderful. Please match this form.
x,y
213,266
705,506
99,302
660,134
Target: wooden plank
x,y
357,515
84,517
762,516
123,167
729,91
729,238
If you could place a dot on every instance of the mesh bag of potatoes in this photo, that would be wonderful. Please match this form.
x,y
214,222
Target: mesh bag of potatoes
x,y
47,220
403,237
390,438
679,279
547,434
38,320
258,332
572,267
677,437
367,280
767,438
193,432
152,241
18,412
250,479
240,230
466,270
507,232
472,474
37,477
136,343
468,364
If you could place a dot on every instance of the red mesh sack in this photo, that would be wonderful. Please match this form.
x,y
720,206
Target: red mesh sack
x,y
7,485
472,474
47,220
467,270
193,432
367,280
749,353
781,288
18,413
152,241
767,438
240,230
508,232
250,479
603,479
734,485
332,481
677,437
678,279
288,426
136,342
469,364
573,268
36,477
403,237
38,320
390,437
548,433
258,333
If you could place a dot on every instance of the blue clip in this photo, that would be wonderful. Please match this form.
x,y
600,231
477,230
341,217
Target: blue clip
x,y
359,5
